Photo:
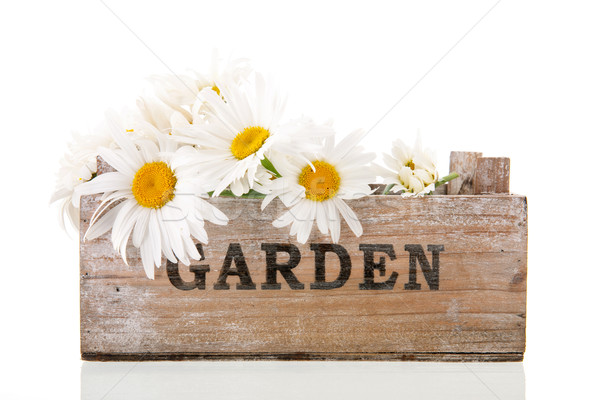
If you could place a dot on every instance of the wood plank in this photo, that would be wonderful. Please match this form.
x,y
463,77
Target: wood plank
x,y
464,163
477,313
102,166
493,175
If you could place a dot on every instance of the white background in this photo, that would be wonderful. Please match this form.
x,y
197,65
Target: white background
x,y
523,83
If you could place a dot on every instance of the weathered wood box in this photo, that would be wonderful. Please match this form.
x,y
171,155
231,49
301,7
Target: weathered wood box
x,y
440,277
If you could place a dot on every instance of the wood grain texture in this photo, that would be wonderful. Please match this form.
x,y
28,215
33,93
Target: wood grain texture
x,y
465,164
493,175
102,166
478,313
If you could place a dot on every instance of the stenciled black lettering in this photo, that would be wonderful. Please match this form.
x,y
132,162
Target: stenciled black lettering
x,y
235,255
370,266
320,250
199,271
431,272
285,269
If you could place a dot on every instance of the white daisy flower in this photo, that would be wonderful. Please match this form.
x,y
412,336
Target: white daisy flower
x,y
155,113
180,92
317,190
151,111
244,127
411,170
77,166
153,197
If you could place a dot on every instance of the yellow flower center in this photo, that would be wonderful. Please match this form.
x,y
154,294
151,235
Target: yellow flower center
x,y
216,89
410,165
154,185
249,141
320,184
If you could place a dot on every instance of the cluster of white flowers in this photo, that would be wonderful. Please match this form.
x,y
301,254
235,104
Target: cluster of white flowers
x,y
215,134
411,170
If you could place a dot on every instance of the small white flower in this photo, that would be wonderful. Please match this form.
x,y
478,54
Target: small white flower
x,y
243,127
155,113
411,170
79,164
317,190
153,197
76,167
180,92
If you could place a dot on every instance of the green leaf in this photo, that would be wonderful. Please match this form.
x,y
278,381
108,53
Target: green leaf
x,y
252,194
269,166
388,188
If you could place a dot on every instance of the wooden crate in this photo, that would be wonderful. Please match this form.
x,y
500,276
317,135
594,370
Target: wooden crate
x,y
440,277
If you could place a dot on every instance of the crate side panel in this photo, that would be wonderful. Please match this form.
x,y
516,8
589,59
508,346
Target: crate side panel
x,y
479,307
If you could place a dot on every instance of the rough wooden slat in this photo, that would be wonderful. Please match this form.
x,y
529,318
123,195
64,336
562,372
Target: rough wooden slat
x,y
465,164
493,175
378,188
441,190
102,166
477,314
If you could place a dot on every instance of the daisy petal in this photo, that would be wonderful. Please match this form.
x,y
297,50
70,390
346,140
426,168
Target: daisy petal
x,y
349,216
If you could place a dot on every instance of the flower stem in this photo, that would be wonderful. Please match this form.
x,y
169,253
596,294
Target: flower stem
x,y
446,179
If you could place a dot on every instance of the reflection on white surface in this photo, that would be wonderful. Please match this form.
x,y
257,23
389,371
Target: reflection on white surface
x,y
301,380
